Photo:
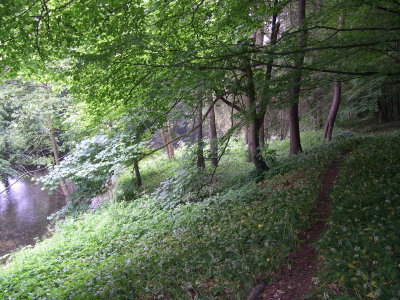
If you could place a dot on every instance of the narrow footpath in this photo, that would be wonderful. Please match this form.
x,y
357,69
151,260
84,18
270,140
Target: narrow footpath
x,y
296,278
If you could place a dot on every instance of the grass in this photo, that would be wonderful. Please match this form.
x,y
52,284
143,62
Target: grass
x,y
216,248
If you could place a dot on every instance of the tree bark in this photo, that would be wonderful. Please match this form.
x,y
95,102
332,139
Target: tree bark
x,y
246,139
56,154
200,143
330,121
137,173
54,146
53,141
383,111
294,129
295,143
262,135
254,125
268,75
213,138
254,146
282,133
337,94
166,135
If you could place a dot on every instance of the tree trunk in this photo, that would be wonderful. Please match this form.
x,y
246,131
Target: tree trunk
x,y
268,75
54,146
254,124
383,112
330,121
213,138
262,136
294,128
53,141
246,138
56,154
166,135
254,146
137,173
200,143
295,143
282,133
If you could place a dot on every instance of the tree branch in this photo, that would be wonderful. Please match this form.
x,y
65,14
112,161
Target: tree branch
x,y
332,71
231,104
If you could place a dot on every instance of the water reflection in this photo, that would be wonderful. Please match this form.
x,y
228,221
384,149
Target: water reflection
x,y
24,209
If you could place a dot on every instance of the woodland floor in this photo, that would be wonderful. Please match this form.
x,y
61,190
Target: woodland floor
x,y
295,280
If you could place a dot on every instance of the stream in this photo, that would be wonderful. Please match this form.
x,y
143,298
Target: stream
x,y
24,209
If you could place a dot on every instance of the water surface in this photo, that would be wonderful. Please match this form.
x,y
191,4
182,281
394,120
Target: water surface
x,y
24,209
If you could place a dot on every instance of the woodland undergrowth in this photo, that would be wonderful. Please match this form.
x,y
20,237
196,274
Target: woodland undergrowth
x,y
216,248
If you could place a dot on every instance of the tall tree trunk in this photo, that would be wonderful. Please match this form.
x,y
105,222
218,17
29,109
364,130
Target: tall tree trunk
x,y
383,112
56,154
200,143
213,138
166,135
282,133
54,146
294,129
337,94
254,145
268,75
254,124
137,173
267,134
330,121
246,139
170,145
295,143
53,142
262,135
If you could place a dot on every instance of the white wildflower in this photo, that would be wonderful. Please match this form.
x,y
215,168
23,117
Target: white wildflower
x,y
315,280
378,292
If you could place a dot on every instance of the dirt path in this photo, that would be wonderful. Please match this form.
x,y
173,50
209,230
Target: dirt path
x,y
296,277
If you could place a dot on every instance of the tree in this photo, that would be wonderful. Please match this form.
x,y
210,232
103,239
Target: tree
x,y
294,127
166,136
337,93
147,56
213,138
200,142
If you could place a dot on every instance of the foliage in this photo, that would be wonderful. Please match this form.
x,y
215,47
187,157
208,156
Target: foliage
x,y
185,185
30,112
154,170
91,164
360,254
5,170
132,66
